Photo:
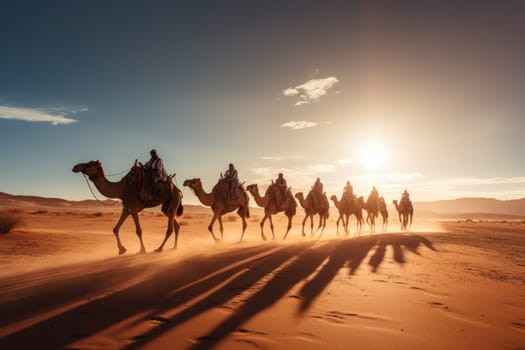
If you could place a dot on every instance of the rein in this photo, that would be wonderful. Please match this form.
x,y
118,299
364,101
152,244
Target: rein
x,y
119,173
94,196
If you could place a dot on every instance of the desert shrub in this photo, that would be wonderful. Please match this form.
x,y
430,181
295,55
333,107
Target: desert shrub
x,y
40,212
231,218
97,214
8,221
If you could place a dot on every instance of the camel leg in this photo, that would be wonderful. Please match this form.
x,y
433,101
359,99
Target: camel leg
x,y
337,225
221,227
123,216
261,224
169,231
304,221
176,228
320,222
210,226
244,225
289,226
138,230
346,224
271,225
311,225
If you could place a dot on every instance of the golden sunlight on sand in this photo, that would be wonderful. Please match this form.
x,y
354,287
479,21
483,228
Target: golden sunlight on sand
x,y
445,285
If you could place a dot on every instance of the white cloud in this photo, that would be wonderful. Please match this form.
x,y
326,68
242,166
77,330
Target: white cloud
x,y
75,111
34,115
290,92
299,124
312,90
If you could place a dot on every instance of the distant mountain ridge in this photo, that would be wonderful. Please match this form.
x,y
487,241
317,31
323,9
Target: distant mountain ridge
x,y
515,207
474,205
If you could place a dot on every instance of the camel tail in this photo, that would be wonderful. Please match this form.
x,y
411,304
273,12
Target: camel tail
x,y
180,210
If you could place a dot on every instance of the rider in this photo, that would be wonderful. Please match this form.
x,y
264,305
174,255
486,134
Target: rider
x,y
348,189
317,191
373,199
405,195
156,166
282,186
232,178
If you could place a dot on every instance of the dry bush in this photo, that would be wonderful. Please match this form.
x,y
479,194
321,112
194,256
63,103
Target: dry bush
x,y
40,212
231,218
9,220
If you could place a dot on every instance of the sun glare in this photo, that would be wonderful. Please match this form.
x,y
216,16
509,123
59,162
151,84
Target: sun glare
x,y
373,155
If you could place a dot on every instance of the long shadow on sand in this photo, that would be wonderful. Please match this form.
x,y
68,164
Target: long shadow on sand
x,y
266,273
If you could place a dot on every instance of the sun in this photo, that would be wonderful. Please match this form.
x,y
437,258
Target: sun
x,y
373,155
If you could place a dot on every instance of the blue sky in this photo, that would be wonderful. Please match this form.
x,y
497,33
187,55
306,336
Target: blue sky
x,y
412,94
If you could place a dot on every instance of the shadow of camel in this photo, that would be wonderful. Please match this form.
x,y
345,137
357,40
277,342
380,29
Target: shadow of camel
x,y
268,272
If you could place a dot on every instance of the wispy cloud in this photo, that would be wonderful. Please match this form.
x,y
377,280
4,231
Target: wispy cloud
x,y
299,124
303,124
38,115
312,90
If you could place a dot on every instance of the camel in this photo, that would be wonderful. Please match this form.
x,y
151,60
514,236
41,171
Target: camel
x,y
271,207
405,211
384,213
345,210
219,201
348,209
372,209
310,210
359,204
127,190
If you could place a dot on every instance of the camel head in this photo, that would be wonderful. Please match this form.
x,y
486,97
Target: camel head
x,y
394,202
193,183
252,188
299,195
333,197
91,169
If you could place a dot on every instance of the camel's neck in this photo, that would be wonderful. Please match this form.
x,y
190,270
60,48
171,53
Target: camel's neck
x,y
396,205
108,188
204,198
261,201
302,201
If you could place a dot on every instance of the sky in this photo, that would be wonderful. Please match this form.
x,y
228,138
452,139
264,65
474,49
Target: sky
x,y
423,95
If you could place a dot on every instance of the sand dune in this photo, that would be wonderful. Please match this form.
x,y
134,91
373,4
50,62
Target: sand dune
x,y
456,285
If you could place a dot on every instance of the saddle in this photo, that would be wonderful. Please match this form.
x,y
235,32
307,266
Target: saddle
x,y
151,189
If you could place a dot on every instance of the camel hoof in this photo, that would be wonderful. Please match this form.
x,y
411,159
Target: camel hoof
x,y
142,251
121,250
263,238
158,250
217,240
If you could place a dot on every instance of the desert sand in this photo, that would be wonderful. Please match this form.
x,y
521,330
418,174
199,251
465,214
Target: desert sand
x,y
443,285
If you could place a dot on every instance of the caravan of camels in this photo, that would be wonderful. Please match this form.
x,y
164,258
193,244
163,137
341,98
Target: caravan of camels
x,y
146,186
